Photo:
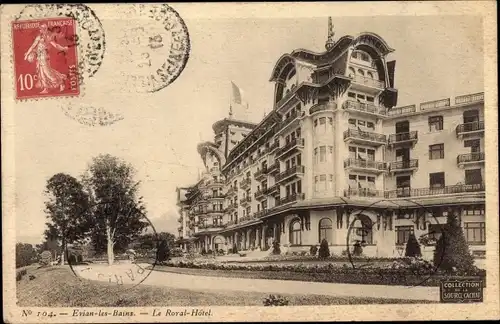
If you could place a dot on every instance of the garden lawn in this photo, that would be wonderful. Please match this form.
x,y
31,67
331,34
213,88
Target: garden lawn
x,y
59,287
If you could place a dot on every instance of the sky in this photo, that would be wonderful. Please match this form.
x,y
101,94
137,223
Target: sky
x,y
436,57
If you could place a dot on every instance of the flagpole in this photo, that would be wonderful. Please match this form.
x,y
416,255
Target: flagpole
x,y
230,101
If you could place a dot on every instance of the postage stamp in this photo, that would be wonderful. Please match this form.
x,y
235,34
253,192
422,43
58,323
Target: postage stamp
x,y
196,162
45,58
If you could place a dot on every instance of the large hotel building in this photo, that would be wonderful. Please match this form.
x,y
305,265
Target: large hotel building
x,y
337,159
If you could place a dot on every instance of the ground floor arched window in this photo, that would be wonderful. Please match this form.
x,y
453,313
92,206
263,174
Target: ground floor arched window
x,y
295,232
325,230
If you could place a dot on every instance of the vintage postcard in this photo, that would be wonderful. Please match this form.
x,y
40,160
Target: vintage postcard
x,y
218,162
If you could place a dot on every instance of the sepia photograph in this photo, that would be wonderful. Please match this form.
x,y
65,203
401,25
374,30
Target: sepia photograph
x,y
161,162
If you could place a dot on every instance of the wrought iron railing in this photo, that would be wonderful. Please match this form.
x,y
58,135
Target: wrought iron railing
x,y
409,192
403,165
290,145
291,198
365,107
322,107
368,81
289,172
403,137
365,164
470,157
470,127
363,192
359,134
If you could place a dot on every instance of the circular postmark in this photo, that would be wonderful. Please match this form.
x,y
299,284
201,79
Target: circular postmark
x,y
116,236
89,37
374,223
154,46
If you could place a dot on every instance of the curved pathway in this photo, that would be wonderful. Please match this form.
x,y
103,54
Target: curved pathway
x,y
206,283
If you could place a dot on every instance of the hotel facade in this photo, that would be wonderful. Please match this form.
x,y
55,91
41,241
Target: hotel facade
x,y
338,159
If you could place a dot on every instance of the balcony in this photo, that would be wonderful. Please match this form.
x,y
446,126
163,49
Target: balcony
x,y
365,84
272,189
230,191
294,115
230,222
364,192
365,166
290,199
245,183
364,108
403,139
429,105
202,226
261,213
273,147
468,129
403,166
364,138
471,158
215,211
199,212
409,192
322,107
245,201
259,195
470,98
274,168
290,147
216,197
289,173
261,173
246,218
400,111
215,183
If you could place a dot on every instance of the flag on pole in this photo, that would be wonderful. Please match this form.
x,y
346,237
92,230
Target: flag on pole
x,y
236,94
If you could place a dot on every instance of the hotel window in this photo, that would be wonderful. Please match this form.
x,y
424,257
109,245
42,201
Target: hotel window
x,y
475,233
352,123
471,116
295,232
403,234
436,151
322,154
330,182
361,72
249,210
436,180
475,145
322,126
325,230
474,210
473,176
370,125
370,75
435,123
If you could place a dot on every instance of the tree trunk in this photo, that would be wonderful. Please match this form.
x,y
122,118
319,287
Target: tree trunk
x,y
111,256
63,246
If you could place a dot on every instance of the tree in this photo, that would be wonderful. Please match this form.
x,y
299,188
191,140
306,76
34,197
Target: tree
x,y
412,247
67,208
163,252
324,250
451,249
25,254
117,212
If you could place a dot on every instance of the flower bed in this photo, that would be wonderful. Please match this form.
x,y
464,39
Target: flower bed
x,y
405,273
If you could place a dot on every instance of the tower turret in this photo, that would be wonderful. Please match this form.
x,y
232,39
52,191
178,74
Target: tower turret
x,y
330,41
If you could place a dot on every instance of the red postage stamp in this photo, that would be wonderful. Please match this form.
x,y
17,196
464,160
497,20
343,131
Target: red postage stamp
x,y
45,58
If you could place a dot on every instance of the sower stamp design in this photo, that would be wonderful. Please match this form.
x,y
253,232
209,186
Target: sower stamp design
x,y
45,58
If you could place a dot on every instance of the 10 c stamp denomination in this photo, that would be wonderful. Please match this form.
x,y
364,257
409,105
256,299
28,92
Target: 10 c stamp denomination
x,y
45,58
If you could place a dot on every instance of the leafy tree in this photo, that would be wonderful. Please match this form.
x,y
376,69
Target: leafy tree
x,y
451,249
313,250
324,250
67,208
413,247
117,212
25,254
163,252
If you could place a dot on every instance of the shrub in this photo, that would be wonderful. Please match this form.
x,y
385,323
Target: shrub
x,y
221,252
163,252
324,250
313,250
276,247
275,300
176,252
72,259
20,274
79,258
235,249
45,258
203,251
358,249
209,251
452,252
412,247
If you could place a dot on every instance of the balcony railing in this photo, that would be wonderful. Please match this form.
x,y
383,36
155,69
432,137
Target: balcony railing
x,y
245,200
364,107
356,134
294,143
261,213
409,192
471,157
273,147
274,168
402,110
435,104
409,137
298,169
291,198
475,97
244,183
293,115
231,190
322,107
404,165
365,164
259,193
209,226
470,127
285,98
261,172
269,190
368,81
364,192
